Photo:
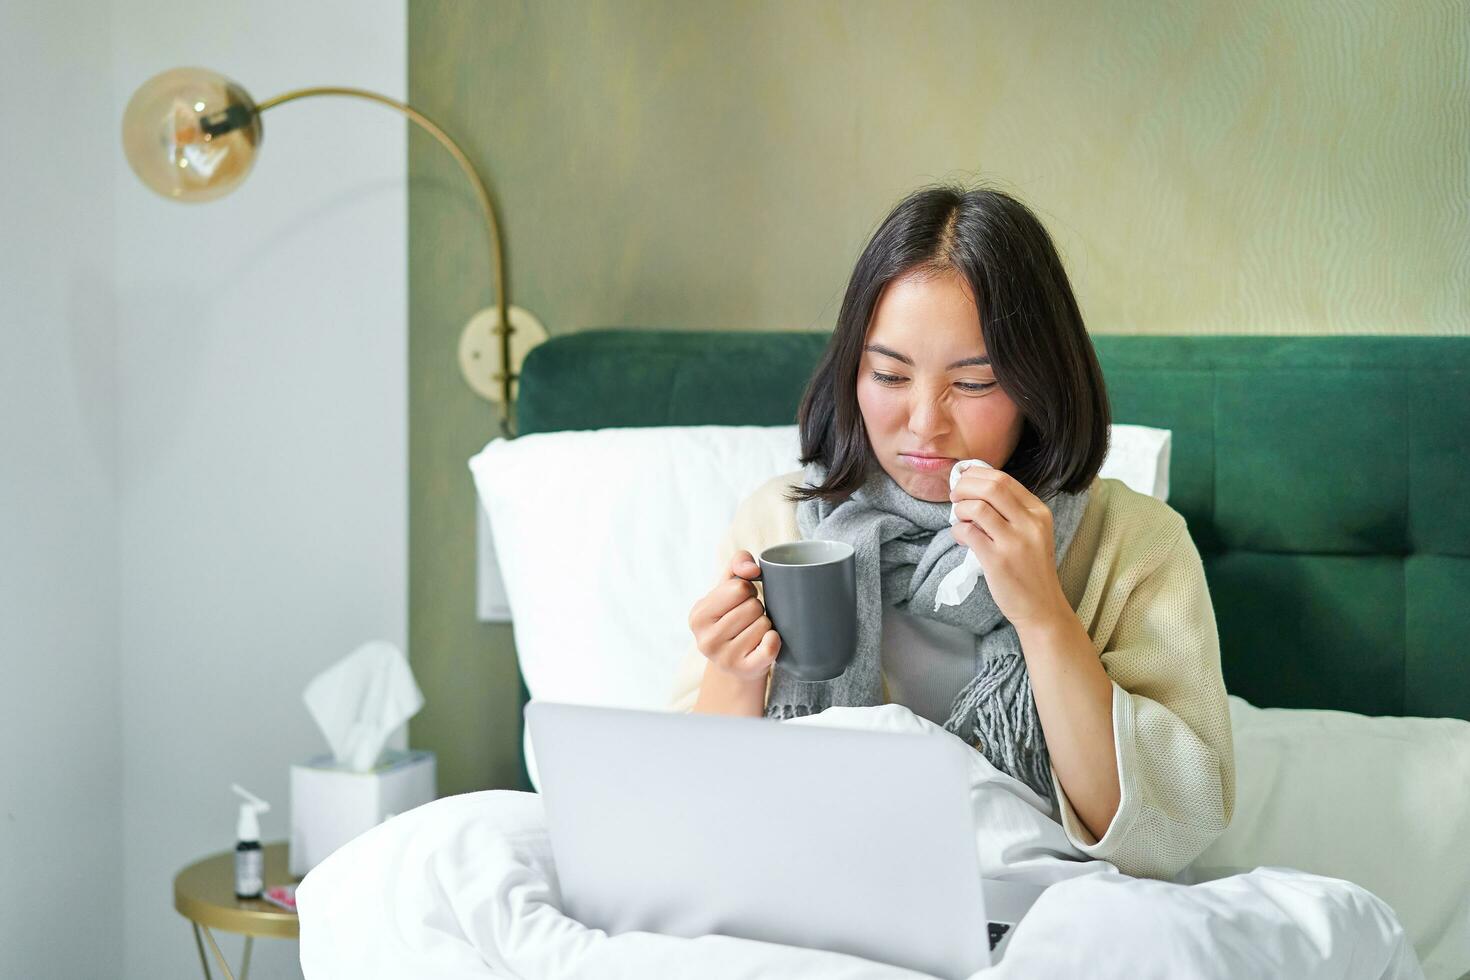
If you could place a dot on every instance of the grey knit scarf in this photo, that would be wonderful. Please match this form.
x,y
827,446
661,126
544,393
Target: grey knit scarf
x,y
910,541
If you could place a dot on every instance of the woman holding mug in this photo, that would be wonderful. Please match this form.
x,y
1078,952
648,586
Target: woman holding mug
x,y
1085,662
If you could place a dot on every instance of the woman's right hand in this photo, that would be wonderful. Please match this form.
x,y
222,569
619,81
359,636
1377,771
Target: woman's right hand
x,y
730,625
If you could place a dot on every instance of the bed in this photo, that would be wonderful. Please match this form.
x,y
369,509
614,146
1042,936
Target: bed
x,y
1320,478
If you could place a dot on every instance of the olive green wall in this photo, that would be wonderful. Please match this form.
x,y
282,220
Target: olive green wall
x,y
1267,167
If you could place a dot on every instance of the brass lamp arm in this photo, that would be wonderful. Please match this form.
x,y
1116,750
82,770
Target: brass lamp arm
x,y
492,225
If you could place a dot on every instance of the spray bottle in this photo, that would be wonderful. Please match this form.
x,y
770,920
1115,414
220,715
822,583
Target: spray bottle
x,y
249,858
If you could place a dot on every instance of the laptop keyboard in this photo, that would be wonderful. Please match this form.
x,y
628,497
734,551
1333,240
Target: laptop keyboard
x,y
998,932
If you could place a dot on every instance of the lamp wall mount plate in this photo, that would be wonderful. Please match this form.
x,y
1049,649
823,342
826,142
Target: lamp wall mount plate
x,y
480,349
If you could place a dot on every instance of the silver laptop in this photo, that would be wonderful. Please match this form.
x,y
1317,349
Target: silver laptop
x,y
846,840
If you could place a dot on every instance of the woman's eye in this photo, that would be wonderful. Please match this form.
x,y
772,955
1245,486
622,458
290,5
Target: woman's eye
x,y
894,379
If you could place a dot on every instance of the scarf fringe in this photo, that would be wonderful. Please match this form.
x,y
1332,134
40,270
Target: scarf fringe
x,y
999,711
783,711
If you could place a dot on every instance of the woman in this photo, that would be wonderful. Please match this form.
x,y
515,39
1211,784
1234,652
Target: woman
x,y
1085,662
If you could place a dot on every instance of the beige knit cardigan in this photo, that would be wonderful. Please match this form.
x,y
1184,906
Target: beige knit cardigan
x,y
1134,577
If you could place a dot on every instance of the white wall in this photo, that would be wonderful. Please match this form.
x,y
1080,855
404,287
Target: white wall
x,y
60,786
261,433
202,457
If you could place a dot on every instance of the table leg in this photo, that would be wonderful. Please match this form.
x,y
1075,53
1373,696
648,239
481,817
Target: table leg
x,y
245,964
199,944
224,967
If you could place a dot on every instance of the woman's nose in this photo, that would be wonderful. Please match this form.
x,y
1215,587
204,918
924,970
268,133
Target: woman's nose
x,y
927,419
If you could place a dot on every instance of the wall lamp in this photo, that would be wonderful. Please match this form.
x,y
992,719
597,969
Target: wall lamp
x,y
191,135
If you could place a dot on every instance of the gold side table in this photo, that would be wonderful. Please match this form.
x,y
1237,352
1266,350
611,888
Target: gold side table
x,y
204,893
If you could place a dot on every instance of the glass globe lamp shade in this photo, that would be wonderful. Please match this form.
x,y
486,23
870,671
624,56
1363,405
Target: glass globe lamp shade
x,y
191,134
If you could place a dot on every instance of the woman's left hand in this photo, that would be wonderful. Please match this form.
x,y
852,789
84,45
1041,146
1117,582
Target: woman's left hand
x,y
1010,530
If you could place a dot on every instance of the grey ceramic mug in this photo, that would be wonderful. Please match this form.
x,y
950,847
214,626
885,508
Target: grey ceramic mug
x,y
811,598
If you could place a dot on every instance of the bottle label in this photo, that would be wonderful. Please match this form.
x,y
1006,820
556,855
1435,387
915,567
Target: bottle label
x,y
249,873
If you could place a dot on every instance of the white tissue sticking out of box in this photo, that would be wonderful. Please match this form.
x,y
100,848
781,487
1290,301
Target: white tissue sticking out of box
x,y
956,586
361,700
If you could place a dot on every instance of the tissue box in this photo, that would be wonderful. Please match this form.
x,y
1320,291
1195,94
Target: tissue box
x,y
330,805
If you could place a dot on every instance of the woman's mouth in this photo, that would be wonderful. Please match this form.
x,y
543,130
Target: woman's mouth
x,y
928,464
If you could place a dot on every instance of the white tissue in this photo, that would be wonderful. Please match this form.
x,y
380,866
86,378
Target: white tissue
x,y
956,587
361,700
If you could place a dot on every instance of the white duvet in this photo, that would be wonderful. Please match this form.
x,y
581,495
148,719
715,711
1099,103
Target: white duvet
x,y
465,887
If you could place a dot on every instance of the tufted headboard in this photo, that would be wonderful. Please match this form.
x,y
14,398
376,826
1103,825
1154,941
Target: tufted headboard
x,y
1325,480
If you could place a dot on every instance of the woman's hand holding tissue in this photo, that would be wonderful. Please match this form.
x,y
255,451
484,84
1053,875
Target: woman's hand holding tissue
x,y
1009,529
730,625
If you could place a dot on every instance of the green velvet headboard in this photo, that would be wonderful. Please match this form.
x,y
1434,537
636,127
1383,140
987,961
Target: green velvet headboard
x,y
1325,480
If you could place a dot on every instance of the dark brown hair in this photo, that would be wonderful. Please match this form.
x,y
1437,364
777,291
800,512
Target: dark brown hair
x,y
1034,335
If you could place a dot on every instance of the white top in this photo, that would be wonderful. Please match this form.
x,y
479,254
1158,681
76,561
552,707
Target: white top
x,y
926,662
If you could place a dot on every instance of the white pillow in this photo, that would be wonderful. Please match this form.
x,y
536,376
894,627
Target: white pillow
x,y
1138,455
1383,802
603,539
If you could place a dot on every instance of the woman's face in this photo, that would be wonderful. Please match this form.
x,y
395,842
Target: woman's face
x,y
930,390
